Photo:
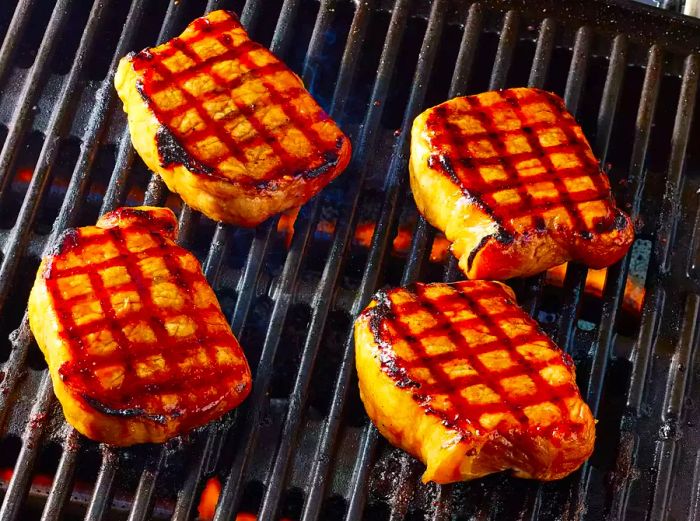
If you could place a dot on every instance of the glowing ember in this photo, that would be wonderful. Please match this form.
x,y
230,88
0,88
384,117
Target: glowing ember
x,y
209,499
595,284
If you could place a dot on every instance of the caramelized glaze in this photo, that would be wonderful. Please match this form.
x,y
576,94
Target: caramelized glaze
x,y
456,159
492,312
198,386
157,78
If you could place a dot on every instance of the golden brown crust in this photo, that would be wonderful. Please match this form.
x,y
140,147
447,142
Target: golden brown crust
x,y
511,180
227,125
136,343
460,377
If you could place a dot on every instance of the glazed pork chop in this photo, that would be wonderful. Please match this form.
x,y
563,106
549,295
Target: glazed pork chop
x,y
510,179
136,343
227,125
462,378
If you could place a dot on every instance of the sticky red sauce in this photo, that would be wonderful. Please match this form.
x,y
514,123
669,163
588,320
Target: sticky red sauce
x,y
151,62
198,389
453,157
389,326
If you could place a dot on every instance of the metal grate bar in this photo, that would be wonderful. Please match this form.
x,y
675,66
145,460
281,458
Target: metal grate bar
x,y
406,479
543,53
31,439
679,145
459,87
676,383
467,50
504,53
60,491
14,32
143,499
30,90
654,301
322,27
104,486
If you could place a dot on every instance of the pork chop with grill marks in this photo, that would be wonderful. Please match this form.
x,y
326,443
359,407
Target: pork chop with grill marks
x,y
136,343
510,179
227,125
462,378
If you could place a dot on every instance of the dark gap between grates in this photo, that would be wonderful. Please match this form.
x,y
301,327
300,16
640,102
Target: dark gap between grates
x,y
287,361
6,11
334,507
376,511
359,97
16,189
326,367
252,495
69,37
101,171
325,69
58,181
401,81
263,32
29,43
293,502
109,35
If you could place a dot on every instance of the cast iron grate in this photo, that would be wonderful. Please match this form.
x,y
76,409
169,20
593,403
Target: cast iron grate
x,y
301,447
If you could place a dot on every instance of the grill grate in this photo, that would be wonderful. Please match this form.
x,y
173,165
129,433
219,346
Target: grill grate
x,y
301,447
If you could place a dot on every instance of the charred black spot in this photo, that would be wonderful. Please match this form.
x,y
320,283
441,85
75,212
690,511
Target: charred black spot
x,y
586,235
339,142
479,247
540,225
330,160
620,222
142,92
172,153
133,412
65,242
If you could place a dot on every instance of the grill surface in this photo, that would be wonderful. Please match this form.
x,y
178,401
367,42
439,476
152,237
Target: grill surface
x,y
300,447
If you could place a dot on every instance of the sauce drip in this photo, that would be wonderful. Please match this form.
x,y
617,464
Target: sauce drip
x,y
198,387
389,323
452,155
299,108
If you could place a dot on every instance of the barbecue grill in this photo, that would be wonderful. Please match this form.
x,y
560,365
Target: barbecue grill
x,y
301,446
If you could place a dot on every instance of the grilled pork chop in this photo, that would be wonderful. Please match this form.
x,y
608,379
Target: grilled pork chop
x,y
227,125
510,179
136,343
459,376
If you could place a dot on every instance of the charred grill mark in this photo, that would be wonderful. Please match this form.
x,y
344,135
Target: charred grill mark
x,y
152,220
472,254
453,144
65,242
150,62
172,153
385,323
124,413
